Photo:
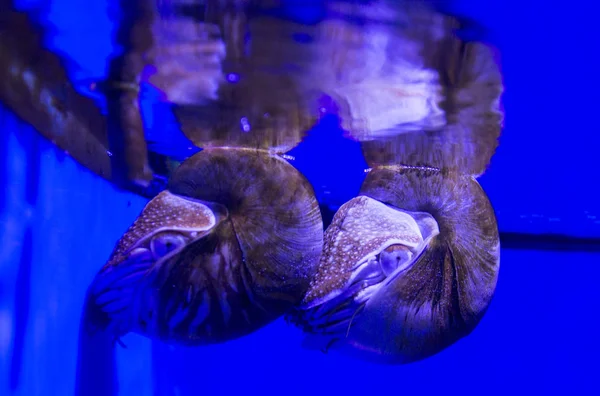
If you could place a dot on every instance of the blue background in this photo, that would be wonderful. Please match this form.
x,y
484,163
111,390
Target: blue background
x,y
59,223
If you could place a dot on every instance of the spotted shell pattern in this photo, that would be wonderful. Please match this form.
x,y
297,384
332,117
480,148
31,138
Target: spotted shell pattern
x,y
166,211
361,227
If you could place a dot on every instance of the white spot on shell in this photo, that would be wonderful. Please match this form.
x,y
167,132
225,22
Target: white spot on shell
x,y
29,79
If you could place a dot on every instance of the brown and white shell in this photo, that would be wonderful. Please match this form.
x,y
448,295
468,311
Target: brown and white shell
x,y
440,231
230,245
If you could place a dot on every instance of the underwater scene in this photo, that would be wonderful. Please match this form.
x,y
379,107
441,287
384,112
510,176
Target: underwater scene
x,y
298,197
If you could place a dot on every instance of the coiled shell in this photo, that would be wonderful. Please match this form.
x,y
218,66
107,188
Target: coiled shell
x,y
445,230
231,245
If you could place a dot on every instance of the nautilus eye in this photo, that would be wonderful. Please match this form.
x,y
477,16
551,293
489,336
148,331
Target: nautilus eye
x,y
163,244
394,257
408,267
230,245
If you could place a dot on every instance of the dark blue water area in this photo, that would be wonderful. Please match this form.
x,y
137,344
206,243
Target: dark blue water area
x,y
163,134
331,161
544,176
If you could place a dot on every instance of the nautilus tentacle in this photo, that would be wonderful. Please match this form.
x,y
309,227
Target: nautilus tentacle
x,y
230,246
408,267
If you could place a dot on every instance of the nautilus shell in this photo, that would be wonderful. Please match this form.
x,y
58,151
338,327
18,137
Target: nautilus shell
x,y
230,245
408,267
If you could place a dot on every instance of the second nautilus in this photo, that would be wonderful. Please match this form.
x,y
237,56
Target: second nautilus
x,y
408,267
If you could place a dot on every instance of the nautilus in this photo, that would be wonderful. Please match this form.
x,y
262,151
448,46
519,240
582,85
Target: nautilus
x,y
229,246
410,265
408,268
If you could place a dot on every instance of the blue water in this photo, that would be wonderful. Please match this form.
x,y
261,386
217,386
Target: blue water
x,y
59,223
